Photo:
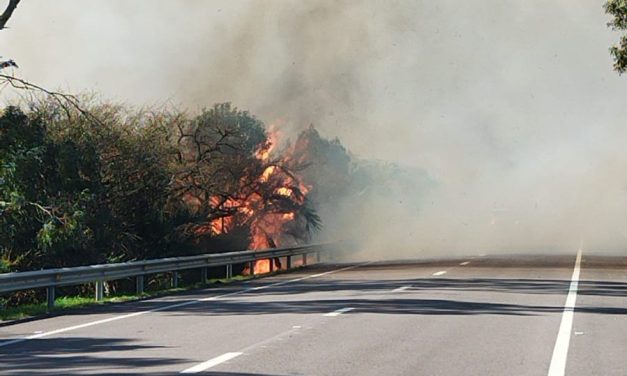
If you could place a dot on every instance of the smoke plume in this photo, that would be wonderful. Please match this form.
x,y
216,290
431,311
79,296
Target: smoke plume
x,y
483,126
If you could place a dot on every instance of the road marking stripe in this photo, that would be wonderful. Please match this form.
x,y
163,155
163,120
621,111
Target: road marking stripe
x,y
464,263
441,272
220,359
560,352
338,312
212,362
166,307
402,288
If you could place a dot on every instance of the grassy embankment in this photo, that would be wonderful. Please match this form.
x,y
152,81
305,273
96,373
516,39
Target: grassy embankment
x,y
74,302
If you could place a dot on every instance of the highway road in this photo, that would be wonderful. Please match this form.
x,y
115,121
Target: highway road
x,y
516,315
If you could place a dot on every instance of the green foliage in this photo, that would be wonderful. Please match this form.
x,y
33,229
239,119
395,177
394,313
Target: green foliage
x,y
131,185
618,10
44,195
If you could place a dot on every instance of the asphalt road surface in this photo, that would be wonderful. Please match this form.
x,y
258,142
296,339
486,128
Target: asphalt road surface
x,y
524,315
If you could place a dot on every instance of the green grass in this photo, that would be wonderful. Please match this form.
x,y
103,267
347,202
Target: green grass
x,y
23,311
62,303
73,302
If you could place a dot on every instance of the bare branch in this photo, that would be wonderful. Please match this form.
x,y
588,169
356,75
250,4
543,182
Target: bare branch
x,y
4,17
61,98
47,211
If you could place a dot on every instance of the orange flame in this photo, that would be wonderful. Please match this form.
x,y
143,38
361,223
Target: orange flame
x,y
266,226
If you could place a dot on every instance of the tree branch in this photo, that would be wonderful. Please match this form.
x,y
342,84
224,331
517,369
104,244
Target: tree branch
x,y
4,17
60,98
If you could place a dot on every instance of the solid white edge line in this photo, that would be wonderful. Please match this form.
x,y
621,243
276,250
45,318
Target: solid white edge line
x,y
441,272
338,312
560,351
212,362
166,307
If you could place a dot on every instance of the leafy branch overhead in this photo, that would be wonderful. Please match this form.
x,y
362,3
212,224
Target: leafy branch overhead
x,y
618,10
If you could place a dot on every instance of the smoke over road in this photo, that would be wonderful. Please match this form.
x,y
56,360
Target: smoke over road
x,y
505,119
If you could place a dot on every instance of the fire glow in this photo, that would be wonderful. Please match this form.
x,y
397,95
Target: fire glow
x,y
268,221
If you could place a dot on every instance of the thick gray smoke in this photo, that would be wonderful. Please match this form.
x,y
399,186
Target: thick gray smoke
x,y
509,107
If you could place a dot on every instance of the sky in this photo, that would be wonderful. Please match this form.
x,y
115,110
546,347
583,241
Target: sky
x,y
512,107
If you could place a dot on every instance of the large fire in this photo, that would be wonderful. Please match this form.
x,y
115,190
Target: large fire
x,y
269,207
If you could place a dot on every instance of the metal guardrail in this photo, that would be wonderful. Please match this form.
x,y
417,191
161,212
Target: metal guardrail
x,y
53,278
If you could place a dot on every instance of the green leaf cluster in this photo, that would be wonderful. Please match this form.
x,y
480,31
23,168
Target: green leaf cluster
x,y
618,10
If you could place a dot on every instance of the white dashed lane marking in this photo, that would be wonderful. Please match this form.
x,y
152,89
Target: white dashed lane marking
x,y
338,312
401,289
212,362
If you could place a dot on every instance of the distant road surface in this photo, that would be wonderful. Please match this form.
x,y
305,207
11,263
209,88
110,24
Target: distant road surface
x,y
524,315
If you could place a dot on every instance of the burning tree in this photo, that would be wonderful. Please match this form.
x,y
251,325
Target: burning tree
x,y
234,183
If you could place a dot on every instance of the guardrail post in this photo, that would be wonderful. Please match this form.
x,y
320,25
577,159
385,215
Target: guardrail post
x,y
175,280
271,260
50,296
229,271
99,290
252,268
304,259
203,275
289,262
318,256
139,284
